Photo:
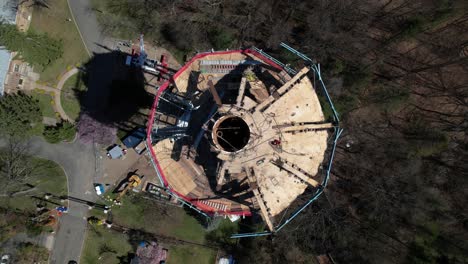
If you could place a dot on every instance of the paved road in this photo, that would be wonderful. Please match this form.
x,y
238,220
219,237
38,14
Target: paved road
x,y
57,93
79,163
88,26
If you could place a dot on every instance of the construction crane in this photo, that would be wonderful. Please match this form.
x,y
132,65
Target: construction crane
x,y
133,182
142,57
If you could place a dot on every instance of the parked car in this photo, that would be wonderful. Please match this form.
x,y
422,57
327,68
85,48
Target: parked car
x,y
5,259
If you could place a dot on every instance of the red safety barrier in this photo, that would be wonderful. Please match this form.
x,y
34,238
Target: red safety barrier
x,y
162,88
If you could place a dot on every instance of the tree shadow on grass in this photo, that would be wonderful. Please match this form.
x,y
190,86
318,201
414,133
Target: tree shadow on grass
x,y
115,99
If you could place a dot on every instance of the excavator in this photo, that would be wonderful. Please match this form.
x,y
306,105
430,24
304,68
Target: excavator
x,y
133,181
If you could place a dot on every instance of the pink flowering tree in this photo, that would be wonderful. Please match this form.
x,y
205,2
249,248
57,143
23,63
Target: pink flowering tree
x,y
92,131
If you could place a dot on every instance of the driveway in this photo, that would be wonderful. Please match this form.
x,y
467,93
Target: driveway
x,y
88,27
79,163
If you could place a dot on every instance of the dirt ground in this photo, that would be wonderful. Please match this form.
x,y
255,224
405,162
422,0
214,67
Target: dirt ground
x,y
117,170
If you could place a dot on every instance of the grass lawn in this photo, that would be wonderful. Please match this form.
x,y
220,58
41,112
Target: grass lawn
x,y
30,253
47,177
53,21
46,102
70,102
139,213
190,254
104,243
107,246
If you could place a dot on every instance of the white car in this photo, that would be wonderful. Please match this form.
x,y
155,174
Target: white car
x,y
5,259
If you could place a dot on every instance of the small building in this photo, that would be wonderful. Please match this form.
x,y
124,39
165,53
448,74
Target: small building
x,y
7,15
116,152
15,74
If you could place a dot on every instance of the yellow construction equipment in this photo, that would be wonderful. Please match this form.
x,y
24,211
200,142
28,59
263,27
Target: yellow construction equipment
x,y
96,221
133,182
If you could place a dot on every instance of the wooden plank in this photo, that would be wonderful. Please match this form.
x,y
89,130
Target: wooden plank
x,y
293,128
261,203
298,173
215,94
240,96
283,88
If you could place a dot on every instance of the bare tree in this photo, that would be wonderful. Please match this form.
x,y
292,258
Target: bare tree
x,y
15,170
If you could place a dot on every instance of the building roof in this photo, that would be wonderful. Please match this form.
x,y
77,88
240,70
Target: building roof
x,y
8,11
5,58
7,15
116,152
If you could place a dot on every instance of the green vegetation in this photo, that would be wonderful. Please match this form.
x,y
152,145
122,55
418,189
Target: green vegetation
x,y
30,253
190,254
139,213
220,38
250,75
19,114
146,215
11,223
421,22
424,140
356,78
430,247
390,98
106,243
37,49
44,176
222,235
46,102
69,96
53,21
111,245
345,103
122,18
326,108
64,131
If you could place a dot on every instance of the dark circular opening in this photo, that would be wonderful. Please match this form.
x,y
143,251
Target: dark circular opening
x,y
232,134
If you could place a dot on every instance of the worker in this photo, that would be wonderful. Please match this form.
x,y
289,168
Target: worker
x,y
276,142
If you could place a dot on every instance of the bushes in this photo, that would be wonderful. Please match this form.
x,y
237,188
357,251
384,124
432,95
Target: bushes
x,y
390,98
19,114
356,77
423,140
36,49
220,38
61,132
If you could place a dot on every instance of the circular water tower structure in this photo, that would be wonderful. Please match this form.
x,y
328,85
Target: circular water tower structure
x,y
237,133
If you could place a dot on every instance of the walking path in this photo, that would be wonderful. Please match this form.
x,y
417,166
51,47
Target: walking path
x,y
57,93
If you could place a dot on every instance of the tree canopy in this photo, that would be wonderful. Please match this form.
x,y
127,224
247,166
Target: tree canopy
x,y
60,132
36,49
19,114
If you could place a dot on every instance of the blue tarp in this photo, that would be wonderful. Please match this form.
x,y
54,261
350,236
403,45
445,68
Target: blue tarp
x,y
134,138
